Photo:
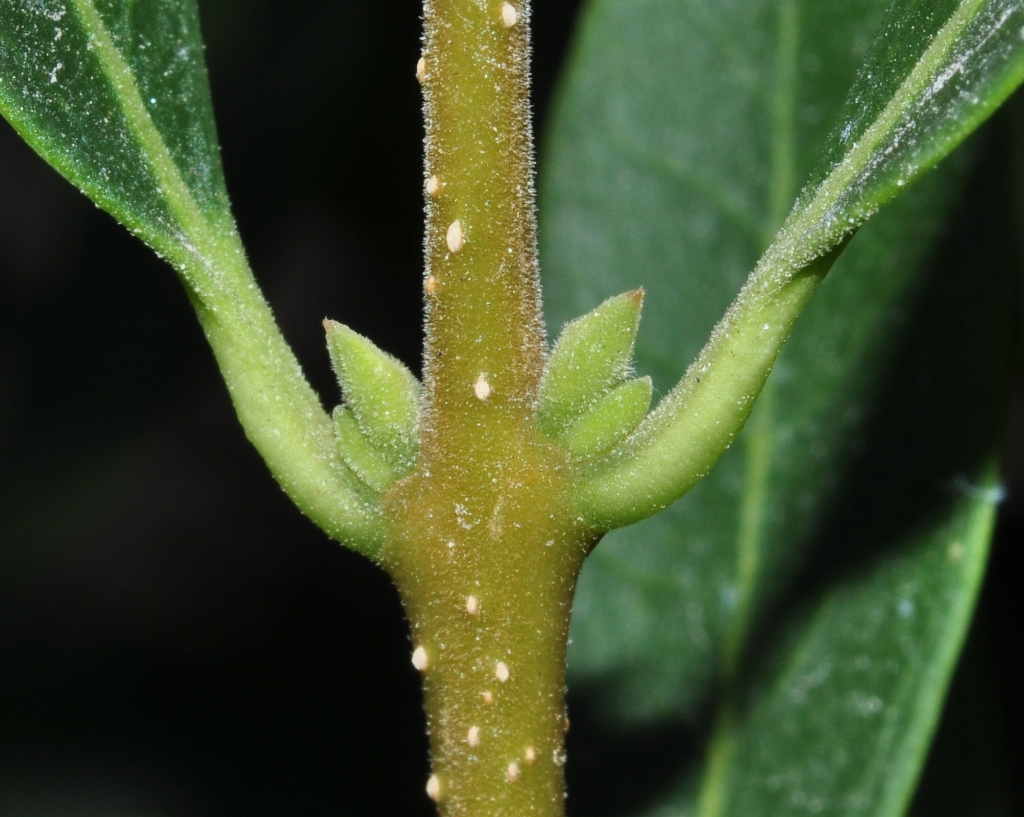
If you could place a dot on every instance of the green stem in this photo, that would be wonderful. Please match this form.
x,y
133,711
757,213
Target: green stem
x,y
483,315
487,577
482,540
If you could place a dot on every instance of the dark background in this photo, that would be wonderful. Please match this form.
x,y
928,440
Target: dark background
x,y
175,639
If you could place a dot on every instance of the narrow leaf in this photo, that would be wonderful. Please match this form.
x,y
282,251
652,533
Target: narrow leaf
x,y
359,455
843,722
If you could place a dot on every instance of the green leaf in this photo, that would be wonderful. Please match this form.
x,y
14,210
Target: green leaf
x,y
844,720
114,94
366,462
610,420
381,391
936,71
592,354
683,132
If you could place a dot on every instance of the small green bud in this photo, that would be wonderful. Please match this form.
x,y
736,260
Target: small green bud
x,y
610,420
382,393
365,461
593,354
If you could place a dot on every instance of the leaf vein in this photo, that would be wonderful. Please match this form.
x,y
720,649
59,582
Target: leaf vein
x,y
199,240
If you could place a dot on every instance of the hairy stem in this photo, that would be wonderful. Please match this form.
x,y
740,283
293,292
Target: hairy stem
x,y
483,297
487,576
482,541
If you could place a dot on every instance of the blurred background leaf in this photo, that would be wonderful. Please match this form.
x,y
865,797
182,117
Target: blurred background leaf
x,y
881,416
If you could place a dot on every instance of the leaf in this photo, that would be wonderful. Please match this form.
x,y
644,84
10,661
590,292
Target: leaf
x,y
592,354
366,462
383,395
911,120
610,419
871,665
936,71
683,132
114,94
840,724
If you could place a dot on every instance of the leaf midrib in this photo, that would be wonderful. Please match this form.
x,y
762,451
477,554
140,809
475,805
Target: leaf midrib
x,y
802,223
199,241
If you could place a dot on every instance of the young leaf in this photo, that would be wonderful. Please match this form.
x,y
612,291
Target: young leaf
x,y
593,353
114,95
383,394
610,420
366,461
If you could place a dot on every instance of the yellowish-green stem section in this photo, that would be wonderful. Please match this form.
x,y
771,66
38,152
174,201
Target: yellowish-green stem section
x,y
481,540
483,304
486,564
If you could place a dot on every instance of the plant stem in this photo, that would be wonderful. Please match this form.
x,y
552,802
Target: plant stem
x,y
482,540
483,299
488,591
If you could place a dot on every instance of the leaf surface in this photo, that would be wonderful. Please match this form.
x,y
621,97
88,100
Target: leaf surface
x,y
845,721
114,94
683,133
